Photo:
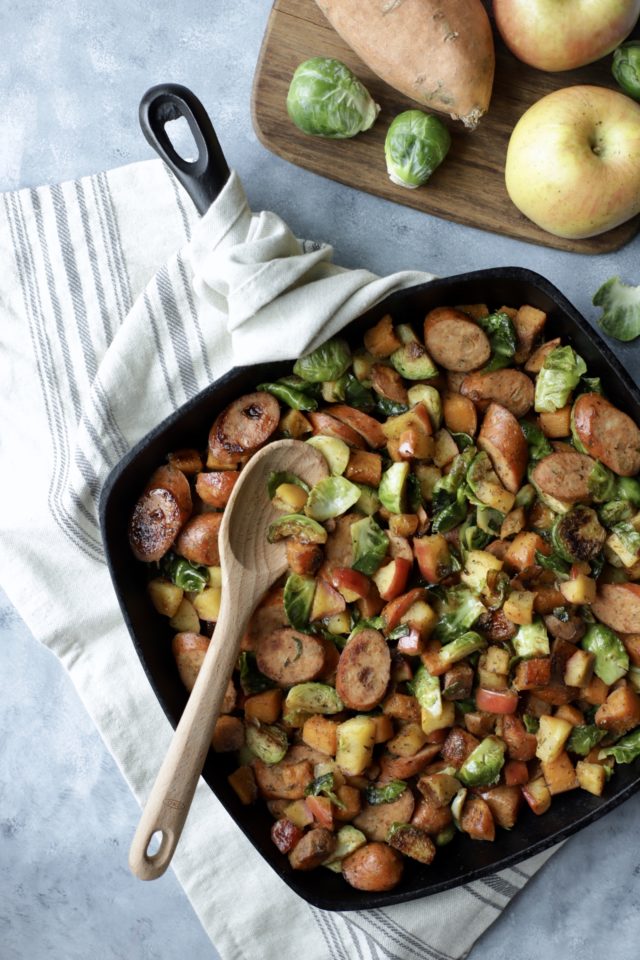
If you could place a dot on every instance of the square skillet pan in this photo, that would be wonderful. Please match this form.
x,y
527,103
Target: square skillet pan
x,y
463,859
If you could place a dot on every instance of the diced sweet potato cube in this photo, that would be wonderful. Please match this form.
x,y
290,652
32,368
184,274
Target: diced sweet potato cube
x,y
382,340
402,706
265,706
228,734
244,783
532,673
521,552
321,733
477,819
620,712
591,777
556,694
458,745
364,467
559,774
430,817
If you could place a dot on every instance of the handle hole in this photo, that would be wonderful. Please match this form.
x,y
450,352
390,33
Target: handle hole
x,y
155,844
181,138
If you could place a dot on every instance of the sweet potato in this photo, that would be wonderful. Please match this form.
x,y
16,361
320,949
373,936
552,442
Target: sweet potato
x,y
440,55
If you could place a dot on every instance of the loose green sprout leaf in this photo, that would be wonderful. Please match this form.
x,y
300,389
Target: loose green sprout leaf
x,y
483,765
629,489
531,723
416,143
302,528
284,476
625,67
326,99
295,399
559,376
334,450
589,385
624,541
612,660
414,493
538,444
452,515
583,738
402,630
370,544
457,611
368,501
331,497
490,520
532,640
502,338
461,647
190,576
426,690
602,483
446,488
386,793
625,750
327,362
357,395
324,785
298,599
392,487
389,408
620,304
554,563
251,679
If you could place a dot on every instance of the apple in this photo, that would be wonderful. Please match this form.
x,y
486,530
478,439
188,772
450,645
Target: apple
x,y
564,34
392,578
573,161
350,583
327,602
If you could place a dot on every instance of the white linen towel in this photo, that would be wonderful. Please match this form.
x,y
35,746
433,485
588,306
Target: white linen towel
x,y
105,330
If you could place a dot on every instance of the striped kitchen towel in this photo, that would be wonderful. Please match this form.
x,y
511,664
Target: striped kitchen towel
x,y
117,305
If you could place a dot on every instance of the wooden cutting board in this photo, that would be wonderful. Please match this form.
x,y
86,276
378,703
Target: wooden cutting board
x,y
469,187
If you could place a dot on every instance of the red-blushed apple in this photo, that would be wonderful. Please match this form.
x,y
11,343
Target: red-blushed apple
x,y
564,34
392,578
396,609
434,559
350,583
327,602
573,161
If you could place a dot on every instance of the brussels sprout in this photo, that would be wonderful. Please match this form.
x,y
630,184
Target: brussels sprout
x,y
392,487
625,750
471,536
559,376
251,679
538,444
412,362
589,385
323,786
452,515
426,690
416,143
294,398
583,738
578,535
334,450
602,483
624,541
430,397
531,723
301,528
612,660
189,576
327,362
445,836
313,697
298,599
490,520
446,488
620,304
386,793
457,612
267,742
331,497
483,765
531,640
277,477
463,440
625,67
556,564
629,489
368,501
370,544
616,511
357,394
348,839
502,338
457,805
525,496
484,484
326,99
461,647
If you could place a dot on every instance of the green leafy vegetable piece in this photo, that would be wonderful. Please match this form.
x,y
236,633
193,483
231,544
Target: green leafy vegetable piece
x,y
190,576
620,304
463,441
251,679
298,599
446,488
502,339
357,395
386,793
392,487
331,497
295,399
531,723
470,642
554,563
450,516
368,501
370,544
415,145
625,67
327,362
295,525
625,750
583,738
457,611
602,483
326,99
324,785
612,660
532,640
538,444
483,765
559,376
578,534
283,476
589,385
426,689
629,489
389,408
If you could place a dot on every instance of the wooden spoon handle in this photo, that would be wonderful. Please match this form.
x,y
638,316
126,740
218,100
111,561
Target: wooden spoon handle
x,y
168,805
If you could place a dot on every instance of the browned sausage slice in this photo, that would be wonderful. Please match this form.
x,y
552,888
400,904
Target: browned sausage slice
x,y
266,618
288,656
454,341
564,476
215,487
189,650
313,849
285,781
328,426
617,605
362,423
538,357
607,434
364,670
198,540
375,867
502,438
510,388
242,427
159,514
387,383
375,819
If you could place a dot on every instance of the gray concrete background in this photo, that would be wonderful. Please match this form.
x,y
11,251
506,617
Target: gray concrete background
x,y
71,76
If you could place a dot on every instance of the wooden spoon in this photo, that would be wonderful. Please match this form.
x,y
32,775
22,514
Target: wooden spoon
x,y
250,564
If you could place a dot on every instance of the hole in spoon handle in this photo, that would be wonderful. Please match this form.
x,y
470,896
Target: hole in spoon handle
x,y
151,852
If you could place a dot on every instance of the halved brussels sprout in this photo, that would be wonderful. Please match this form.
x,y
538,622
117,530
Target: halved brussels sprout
x,y
416,143
578,535
532,640
267,742
278,477
294,398
190,576
392,487
457,611
327,362
559,376
334,450
301,528
313,697
430,397
483,765
612,660
411,360
538,444
502,338
625,67
331,497
326,99
463,646
602,483
426,690
369,501
370,545
298,599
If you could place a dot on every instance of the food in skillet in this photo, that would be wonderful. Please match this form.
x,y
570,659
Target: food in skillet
x,y
458,634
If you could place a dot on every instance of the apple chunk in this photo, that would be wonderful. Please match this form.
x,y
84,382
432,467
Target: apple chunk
x,y
392,578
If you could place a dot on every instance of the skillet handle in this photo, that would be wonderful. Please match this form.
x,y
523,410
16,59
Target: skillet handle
x,y
203,178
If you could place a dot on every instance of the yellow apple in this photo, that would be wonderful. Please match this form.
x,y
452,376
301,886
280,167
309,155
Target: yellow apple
x,y
564,34
573,161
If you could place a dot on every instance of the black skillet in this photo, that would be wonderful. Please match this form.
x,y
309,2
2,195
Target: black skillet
x,y
463,860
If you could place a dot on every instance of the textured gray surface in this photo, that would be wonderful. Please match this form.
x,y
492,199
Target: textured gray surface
x,y
72,75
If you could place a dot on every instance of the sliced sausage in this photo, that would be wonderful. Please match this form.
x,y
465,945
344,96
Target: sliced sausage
x,y
243,427
564,476
571,630
313,849
160,513
617,605
401,768
286,781
387,383
607,434
288,656
188,651
266,618
454,341
328,426
362,423
502,438
375,867
364,670
510,388
215,487
198,540
375,819
538,357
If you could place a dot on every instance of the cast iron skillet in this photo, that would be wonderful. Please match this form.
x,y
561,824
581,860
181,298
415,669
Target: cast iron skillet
x,y
463,859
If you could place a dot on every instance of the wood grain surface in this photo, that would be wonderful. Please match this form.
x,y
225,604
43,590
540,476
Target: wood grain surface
x,y
469,187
